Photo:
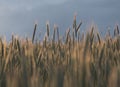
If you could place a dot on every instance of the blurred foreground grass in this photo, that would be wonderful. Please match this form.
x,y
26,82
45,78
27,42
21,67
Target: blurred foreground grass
x,y
77,61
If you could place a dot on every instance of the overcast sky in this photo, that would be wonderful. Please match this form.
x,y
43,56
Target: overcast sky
x,y
19,16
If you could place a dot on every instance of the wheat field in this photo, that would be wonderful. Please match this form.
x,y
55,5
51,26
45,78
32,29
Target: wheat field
x,y
78,60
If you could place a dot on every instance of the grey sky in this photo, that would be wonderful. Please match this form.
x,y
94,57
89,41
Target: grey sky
x,y
19,16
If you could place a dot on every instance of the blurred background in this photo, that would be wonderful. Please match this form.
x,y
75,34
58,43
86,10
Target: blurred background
x,y
19,16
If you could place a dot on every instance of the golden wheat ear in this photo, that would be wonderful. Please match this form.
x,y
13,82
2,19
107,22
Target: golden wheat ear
x,y
48,28
34,33
117,30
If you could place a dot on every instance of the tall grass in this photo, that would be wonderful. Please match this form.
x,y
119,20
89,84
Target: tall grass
x,y
89,61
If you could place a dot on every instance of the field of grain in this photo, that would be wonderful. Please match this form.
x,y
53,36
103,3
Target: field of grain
x,y
78,60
